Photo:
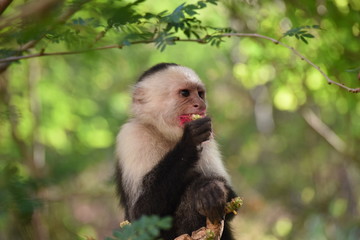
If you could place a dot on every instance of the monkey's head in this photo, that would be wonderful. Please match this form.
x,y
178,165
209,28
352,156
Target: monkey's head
x,y
168,95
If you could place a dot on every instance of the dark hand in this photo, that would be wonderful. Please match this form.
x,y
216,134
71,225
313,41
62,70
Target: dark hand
x,y
210,201
197,131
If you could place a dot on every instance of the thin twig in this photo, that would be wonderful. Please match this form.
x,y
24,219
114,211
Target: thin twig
x,y
323,130
330,136
202,41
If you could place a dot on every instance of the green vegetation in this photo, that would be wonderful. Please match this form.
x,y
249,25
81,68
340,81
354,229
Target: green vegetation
x,y
146,228
290,140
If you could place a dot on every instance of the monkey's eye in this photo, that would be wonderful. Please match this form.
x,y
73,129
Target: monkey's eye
x,y
185,93
201,94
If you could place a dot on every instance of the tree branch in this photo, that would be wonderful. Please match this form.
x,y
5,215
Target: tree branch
x,y
4,4
200,40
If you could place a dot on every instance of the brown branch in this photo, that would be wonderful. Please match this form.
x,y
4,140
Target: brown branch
x,y
201,41
211,231
43,54
28,12
4,4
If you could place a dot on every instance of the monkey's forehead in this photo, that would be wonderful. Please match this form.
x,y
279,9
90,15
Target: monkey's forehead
x,y
174,76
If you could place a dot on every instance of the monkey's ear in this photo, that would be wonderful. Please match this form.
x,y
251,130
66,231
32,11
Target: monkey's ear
x,y
138,95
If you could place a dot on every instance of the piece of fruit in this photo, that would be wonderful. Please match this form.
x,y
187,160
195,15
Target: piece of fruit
x,y
195,116
190,117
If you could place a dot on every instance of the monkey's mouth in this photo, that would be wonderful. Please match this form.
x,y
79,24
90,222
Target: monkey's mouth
x,y
190,117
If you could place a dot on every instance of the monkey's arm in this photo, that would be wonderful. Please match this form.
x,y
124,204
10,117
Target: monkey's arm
x,y
164,184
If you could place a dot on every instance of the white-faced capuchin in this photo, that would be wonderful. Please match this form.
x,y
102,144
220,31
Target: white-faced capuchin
x,y
168,163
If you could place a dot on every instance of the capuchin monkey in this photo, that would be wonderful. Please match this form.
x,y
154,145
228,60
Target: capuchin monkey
x,y
168,163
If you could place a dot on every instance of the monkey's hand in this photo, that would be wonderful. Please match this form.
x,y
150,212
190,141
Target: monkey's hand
x,y
197,131
210,201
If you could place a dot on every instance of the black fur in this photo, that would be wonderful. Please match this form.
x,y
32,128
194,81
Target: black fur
x,y
157,68
124,200
174,187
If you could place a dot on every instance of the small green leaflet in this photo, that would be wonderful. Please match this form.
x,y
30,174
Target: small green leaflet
x,y
301,33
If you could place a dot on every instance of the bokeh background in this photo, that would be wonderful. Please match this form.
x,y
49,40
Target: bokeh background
x,y
290,141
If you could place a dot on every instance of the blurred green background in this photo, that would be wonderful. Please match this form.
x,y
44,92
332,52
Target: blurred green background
x,y
290,141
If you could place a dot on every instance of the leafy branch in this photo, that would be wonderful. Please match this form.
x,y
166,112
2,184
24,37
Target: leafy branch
x,y
129,27
212,39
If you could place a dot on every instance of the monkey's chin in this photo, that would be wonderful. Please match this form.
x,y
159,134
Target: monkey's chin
x,y
184,118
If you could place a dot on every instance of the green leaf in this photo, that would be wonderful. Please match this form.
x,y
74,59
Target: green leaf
x,y
195,34
308,35
176,15
214,2
201,4
190,9
164,223
303,39
153,230
187,33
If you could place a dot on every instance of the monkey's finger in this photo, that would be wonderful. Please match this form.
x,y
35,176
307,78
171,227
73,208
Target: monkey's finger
x,y
215,215
199,122
202,138
217,204
203,128
200,207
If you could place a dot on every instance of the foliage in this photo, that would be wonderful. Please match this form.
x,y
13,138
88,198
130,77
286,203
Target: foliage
x,y
301,33
15,192
146,228
120,20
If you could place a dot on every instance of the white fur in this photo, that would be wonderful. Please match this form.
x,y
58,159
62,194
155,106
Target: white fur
x,y
139,148
210,163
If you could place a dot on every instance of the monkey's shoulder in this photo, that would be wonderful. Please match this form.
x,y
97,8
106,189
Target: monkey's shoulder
x,y
137,137
137,131
138,149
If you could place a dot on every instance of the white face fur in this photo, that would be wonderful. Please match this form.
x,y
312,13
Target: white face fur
x,y
157,99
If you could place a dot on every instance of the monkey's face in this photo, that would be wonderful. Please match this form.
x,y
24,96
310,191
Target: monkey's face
x,y
169,98
184,95
192,103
